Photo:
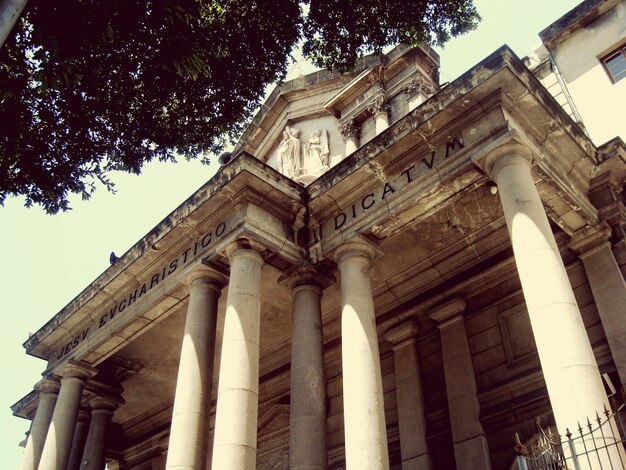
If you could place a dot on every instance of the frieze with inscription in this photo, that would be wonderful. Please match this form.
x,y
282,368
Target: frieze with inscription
x,y
394,184
185,257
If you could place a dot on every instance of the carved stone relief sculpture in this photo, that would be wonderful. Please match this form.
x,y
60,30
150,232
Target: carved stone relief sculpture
x,y
315,155
303,161
289,152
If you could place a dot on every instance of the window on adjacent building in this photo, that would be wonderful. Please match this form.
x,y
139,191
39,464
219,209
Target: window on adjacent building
x,y
615,63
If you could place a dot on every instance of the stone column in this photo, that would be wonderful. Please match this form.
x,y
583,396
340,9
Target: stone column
x,y
569,366
380,110
468,435
608,288
350,132
363,406
307,417
80,437
381,120
56,450
409,397
189,443
236,417
102,409
48,389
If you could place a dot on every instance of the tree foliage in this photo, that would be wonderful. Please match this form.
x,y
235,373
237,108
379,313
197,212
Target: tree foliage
x,y
92,86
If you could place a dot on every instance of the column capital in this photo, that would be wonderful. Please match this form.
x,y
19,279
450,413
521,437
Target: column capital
x,y
448,312
585,241
205,275
419,84
83,415
356,247
349,128
106,403
305,274
49,384
402,333
379,105
245,245
512,147
76,369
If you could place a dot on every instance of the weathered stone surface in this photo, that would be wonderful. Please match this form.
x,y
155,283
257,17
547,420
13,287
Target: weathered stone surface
x,y
412,190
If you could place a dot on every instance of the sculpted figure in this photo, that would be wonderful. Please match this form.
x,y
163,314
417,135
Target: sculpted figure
x,y
289,152
316,153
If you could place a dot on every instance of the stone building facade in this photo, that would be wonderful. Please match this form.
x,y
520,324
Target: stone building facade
x,y
385,274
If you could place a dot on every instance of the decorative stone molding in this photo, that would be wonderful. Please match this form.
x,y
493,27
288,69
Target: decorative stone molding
x,y
448,311
589,239
400,334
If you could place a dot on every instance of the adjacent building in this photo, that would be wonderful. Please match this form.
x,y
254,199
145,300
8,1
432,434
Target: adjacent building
x,y
385,273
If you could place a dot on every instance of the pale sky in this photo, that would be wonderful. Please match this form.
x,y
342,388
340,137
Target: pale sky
x,y
45,261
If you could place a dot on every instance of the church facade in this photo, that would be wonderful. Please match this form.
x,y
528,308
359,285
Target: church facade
x,y
385,273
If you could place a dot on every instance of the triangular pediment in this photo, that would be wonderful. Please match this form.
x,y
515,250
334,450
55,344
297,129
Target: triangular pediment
x,y
302,128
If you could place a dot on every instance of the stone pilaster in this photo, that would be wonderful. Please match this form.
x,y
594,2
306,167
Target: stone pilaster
x,y
350,132
363,406
102,409
468,435
409,397
307,418
48,389
116,465
188,445
238,394
417,91
56,450
608,288
571,372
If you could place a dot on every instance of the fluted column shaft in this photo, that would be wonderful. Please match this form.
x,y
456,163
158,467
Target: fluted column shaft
x,y
56,450
363,406
234,446
189,435
307,420
48,394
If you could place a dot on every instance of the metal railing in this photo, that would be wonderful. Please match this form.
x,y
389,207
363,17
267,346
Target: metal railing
x,y
596,445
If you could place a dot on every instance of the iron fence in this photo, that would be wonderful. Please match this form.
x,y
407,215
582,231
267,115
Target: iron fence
x,y
597,444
